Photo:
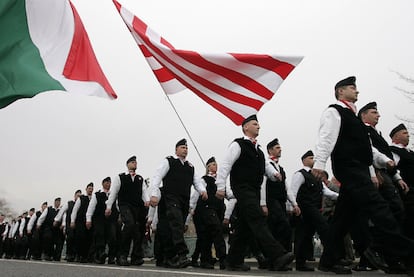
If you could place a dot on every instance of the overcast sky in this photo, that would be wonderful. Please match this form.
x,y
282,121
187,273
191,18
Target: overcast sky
x,y
55,143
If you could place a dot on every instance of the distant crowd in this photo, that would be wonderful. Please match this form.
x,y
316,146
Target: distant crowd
x,y
363,216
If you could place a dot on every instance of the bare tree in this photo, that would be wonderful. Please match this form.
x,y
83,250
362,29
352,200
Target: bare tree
x,y
5,209
409,94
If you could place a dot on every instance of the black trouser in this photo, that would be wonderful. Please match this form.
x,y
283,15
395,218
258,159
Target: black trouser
x,y
83,240
359,197
35,245
1,247
391,194
212,232
105,234
199,228
251,221
9,247
21,247
310,222
133,229
52,239
70,243
172,213
161,238
408,222
278,222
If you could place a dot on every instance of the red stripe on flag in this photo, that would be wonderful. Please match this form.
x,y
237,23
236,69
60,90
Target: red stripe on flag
x,y
234,76
81,64
163,75
238,98
281,68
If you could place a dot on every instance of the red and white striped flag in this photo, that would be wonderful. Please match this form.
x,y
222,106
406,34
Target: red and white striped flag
x,y
237,85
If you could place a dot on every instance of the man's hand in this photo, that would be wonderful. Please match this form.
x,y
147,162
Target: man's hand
x,y
390,164
403,185
265,210
88,225
375,181
72,225
108,212
296,210
278,176
154,201
147,204
220,194
204,195
55,223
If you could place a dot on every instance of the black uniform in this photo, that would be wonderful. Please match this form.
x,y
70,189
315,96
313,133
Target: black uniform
x,y
406,167
246,177
209,213
70,234
173,209
2,230
105,229
83,236
133,213
35,241
351,158
52,236
309,199
278,219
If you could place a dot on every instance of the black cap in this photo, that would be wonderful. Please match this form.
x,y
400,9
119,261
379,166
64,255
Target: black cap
x,y
78,191
396,129
250,118
369,106
307,154
211,160
132,159
107,179
57,199
181,142
32,210
350,81
44,203
272,143
89,185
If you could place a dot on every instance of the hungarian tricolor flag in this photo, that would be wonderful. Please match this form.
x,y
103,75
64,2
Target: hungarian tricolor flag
x,y
237,85
43,47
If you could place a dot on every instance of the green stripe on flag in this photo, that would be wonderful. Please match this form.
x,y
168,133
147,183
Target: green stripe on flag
x,y
22,72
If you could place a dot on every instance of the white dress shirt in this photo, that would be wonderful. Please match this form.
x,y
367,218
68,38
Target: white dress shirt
x,y
59,216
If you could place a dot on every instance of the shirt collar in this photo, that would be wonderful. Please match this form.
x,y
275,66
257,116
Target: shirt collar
x,y
347,104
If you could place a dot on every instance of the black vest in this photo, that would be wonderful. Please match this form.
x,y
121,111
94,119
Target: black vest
x,y
381,145
353,147
50,217
2,228
179,178
130,192
101,207
276,190
212,202
81,215
405,165
249,167
71,203
310,193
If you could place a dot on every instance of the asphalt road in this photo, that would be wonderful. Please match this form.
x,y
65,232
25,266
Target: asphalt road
x,y
21,268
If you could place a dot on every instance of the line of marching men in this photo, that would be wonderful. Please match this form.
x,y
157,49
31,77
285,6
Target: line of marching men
x,y
110,225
